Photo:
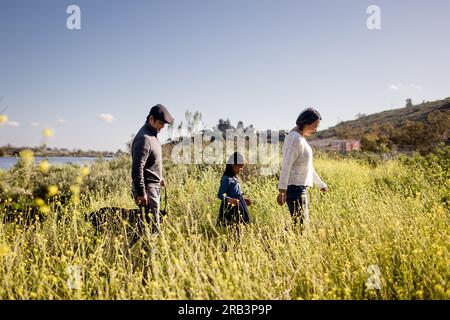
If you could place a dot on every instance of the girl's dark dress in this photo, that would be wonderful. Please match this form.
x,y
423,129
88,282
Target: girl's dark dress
x,y
229,188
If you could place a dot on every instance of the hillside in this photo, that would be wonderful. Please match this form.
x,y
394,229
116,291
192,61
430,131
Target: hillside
x,y
419,127
397,118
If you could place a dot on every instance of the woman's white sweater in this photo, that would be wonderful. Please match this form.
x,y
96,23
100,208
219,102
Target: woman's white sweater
x,y
297,166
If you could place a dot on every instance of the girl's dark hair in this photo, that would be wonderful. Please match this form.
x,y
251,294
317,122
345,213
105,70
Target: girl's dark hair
x,y
229,171
308,116
235,158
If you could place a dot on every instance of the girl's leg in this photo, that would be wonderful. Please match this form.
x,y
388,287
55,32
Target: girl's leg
x,y
227,214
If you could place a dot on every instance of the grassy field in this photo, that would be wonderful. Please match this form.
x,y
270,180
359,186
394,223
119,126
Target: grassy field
x,y
381,232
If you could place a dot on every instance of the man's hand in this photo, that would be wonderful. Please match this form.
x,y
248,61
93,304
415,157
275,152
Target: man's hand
x,y
324,189
281,199
162,183
248,201
141,200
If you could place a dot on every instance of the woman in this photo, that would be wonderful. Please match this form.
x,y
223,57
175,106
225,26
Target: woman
x,y
297,171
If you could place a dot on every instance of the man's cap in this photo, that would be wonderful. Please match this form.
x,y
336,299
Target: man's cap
x,y
161,113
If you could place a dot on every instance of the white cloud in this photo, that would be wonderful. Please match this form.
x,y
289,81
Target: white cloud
x,y
61,121
401,86
394,87
106,117
13,124
34,124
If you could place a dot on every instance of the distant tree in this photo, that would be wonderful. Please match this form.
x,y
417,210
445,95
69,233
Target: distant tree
x,y
224,125
283,134
180,129
197,119
170,131
360,115
129,143
387,129
250,127
344,132
439,123
411,134
372,142
369,142
119,153
189,121
192,121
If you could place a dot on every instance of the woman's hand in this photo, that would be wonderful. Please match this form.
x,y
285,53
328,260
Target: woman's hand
x,y
248,201
281,199
233,201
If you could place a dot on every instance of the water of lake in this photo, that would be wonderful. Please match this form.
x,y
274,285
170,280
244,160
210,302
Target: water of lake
x,y
8,162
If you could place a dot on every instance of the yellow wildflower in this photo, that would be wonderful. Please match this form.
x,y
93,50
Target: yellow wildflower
x,y
44,166
52,190
84,171
47,132
75,189
45,209
39,202
27,157
3,118
419,294
4,250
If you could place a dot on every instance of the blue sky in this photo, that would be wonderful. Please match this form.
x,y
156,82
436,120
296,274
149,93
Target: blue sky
x,y
258,61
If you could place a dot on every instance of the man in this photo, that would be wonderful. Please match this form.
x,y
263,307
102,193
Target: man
x,y
146,169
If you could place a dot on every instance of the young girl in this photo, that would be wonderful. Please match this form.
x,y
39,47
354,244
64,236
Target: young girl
x,y
233,208
297,170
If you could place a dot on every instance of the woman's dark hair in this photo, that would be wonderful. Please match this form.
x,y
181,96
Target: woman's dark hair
x,y
151,115
308,116
235,158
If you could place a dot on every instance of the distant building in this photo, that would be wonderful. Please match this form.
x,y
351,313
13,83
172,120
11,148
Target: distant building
x,y
409,103
336,145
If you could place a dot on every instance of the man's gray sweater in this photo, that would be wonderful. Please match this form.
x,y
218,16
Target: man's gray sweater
x,y
146,167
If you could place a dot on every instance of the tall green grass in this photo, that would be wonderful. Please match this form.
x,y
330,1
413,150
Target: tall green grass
x,y
391,218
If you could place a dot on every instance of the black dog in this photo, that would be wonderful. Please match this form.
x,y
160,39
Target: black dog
x,y
107,216
120,219
110,216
